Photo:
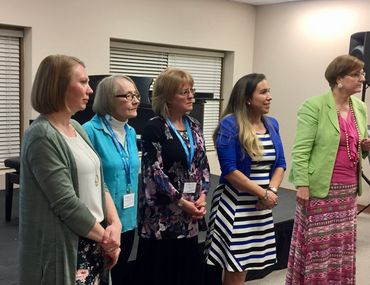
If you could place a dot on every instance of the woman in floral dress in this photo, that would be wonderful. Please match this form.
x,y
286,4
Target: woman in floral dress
x,y
175,174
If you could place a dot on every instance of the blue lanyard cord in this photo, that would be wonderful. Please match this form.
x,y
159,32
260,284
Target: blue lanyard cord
x,y
125,156
189,155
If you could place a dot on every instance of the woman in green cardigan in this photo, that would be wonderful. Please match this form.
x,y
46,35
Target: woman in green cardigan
x,y
330,141
69,228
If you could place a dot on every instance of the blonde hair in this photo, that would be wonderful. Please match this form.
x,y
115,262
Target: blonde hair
x,y
165,87
52,78
240,96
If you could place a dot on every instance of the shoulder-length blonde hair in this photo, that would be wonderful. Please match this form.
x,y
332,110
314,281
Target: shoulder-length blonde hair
x,y
165,87
52,78
238,105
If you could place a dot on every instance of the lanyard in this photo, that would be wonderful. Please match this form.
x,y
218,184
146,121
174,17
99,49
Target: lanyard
x,y
189,155
125,156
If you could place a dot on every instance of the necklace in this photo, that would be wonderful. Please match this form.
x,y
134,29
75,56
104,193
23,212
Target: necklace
x,y
353,159
78,144
93,159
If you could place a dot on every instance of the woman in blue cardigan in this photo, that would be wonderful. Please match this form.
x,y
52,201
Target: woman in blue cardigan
x,y
241,233
116,101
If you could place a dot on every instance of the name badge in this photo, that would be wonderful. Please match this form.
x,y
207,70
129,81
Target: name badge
x,y
128,200
189,187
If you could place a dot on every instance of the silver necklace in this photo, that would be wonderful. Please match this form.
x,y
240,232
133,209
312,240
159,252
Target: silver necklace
x,y
85,148
93,160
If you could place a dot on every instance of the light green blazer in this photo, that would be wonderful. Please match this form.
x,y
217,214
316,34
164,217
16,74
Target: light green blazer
x,y
317,141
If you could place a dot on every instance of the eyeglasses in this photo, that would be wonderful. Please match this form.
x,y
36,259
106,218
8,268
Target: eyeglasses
x,y
186,92
129,96
357,74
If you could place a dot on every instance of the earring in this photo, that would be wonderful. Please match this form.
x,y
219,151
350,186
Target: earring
x,y
248,103
340,85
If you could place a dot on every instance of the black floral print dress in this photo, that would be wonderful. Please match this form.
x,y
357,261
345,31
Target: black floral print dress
x,y
164,172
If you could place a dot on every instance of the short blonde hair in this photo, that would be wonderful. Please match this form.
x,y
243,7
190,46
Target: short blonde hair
x,y
165,87
341,66
105,91
52,78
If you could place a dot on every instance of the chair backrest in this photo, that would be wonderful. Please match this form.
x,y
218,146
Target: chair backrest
x,y
142,84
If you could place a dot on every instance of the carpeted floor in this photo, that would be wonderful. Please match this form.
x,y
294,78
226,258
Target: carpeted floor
x,y
8,243
283,213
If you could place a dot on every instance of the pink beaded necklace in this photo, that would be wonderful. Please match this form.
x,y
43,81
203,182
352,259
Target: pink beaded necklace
x,y
352,158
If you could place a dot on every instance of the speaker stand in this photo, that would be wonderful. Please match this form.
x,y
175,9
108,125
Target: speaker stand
x,y
364,87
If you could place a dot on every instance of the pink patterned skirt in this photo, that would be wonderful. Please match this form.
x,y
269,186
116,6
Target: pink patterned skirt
x,y
323,246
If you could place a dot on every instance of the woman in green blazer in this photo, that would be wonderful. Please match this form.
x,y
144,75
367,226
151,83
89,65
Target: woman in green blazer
x,y
330,140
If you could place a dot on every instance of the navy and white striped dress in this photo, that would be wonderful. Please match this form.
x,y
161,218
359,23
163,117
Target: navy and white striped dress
x,y
240,237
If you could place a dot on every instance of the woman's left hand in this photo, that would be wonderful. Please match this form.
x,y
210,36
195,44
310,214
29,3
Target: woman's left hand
x,y
365,144
201,204
112,237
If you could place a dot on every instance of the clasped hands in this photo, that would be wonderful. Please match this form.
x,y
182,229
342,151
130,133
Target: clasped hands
x,y
270,202
111,244
197,209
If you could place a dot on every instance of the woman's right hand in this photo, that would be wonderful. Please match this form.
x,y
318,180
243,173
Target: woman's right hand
x,y
303,195
269,203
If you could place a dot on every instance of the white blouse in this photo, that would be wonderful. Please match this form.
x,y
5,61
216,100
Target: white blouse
x,y
88,172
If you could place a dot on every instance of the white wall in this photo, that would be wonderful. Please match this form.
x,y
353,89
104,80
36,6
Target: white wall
x,y
294,43
83,28
291,43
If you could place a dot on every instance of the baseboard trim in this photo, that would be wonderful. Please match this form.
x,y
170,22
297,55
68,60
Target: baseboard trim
x,y
361,207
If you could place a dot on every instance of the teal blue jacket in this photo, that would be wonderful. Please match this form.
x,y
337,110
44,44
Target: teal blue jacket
x,y
113,170
317,140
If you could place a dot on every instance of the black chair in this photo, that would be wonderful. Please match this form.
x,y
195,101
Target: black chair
x,y
11,178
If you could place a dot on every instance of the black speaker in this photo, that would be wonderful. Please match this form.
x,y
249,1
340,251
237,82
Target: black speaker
x,y
360,47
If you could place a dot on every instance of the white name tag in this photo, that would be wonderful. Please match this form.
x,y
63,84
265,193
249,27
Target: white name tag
x,y
128,200
189,187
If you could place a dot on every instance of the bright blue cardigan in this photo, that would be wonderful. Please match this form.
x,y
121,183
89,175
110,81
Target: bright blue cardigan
x,y
231,154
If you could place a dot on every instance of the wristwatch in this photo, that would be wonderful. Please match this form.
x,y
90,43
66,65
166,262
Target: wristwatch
x,y
273,189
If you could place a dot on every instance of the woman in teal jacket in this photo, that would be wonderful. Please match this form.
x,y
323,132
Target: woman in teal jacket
x,y
116,101
330,140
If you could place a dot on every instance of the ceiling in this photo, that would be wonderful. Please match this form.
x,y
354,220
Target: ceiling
x,y
266,2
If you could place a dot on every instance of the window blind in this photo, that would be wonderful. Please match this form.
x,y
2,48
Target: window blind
x,y
150,60
10,88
